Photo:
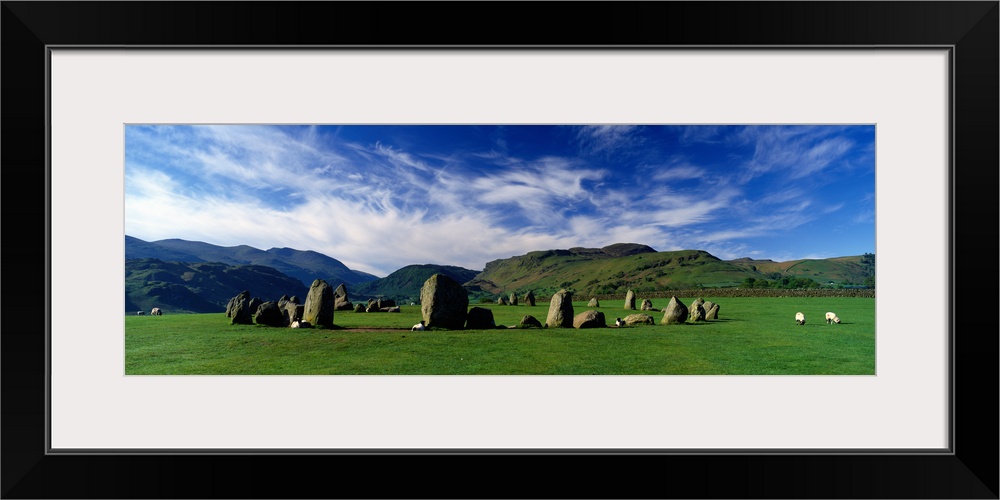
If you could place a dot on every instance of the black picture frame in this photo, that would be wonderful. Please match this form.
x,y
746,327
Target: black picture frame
x,y
969,28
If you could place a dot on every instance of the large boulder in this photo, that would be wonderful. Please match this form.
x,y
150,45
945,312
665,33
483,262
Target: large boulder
x,y
239,309
444,303
639,319
340,300
529,298
647,305
560,310
530,321
711,312
480,318
630,301
513,299
675,312
269,314
593,302
319,304
282,301
589,319
359,308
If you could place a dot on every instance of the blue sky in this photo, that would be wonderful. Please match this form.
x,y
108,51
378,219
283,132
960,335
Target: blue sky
x,y
380,197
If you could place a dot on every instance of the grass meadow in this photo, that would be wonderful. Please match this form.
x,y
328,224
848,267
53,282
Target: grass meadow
x,y
753,336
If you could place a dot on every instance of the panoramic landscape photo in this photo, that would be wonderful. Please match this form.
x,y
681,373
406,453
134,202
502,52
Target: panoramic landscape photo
x,y
499,249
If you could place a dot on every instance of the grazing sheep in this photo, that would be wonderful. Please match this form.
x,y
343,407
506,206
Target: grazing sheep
x,y
300,324
418,327
140,313
619,322
800,319
156,312
832,318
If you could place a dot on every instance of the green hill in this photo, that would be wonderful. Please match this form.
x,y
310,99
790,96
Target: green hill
x,y
618,268
304,265
200,287
837,270
404,284
609,270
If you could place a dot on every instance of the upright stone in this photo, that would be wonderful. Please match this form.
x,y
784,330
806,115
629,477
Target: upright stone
x,y
480,318
697,312
319,304
593,302
712,313
513,299
630,301
560,310
647,305
675,312
240,309
340,300
529,298
444,303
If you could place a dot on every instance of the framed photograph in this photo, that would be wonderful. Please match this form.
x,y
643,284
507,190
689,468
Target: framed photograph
x,y
155,122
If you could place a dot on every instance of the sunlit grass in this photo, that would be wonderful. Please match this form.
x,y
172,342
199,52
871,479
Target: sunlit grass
x,y
754,336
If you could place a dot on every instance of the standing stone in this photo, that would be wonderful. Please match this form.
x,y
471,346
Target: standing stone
x,y
282,301
696,312
647,305
240,309
593,302
444,303
530,321
712,313
269,314
501,301
359,308
255,303
513,299
234,300
480,318
319,304
675,312
340,300
590,319
630,301
292,312
560,310
529,298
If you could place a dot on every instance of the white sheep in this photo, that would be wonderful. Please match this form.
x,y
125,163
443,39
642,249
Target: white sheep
x,y
418,327
800,319
140,313
832,318
156,312
300,323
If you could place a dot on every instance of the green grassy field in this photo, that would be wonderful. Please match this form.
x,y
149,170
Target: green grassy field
x,y
754,336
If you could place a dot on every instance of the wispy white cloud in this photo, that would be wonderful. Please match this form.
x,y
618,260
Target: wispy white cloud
x,y
377,205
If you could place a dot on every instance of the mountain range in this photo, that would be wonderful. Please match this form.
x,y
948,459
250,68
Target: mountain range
x,y
191,276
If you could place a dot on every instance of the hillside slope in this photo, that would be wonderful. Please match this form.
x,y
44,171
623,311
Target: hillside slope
x,y
304,265
404,284
200,287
